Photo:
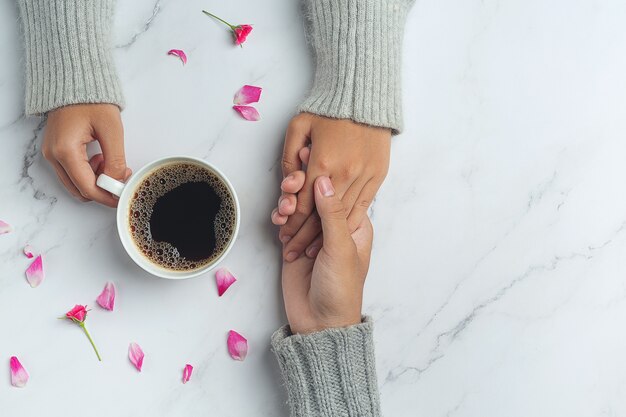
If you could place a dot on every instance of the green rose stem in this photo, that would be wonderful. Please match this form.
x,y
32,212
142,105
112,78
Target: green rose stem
x,y
82,325
232,27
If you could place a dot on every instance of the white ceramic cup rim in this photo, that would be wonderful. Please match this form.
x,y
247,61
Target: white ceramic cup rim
x,y
125,190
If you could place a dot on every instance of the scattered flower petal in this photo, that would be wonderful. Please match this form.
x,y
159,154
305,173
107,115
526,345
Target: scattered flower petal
x,y
34,273
135,354
237,346
28,251
187,373
248,113
224,279
5,227
106,299
241,33
248,94
19,376
179,53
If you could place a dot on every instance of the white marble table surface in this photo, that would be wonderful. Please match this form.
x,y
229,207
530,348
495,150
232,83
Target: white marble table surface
x,y
498,281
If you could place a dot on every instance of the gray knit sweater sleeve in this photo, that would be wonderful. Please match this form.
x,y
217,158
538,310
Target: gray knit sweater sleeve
x,y
68,57
357,46
330,373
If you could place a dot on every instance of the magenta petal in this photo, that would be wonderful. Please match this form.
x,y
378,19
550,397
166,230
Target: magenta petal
x,y
248,113
106,299
224,279
248,94
19,376
5,227
135,354
237,346
34,273
187,373
28,251
179,53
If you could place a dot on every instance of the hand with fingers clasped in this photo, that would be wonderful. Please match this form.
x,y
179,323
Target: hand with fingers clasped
x,y
69,129
353,155
326,292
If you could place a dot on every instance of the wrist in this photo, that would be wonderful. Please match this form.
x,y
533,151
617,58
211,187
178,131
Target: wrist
x,y
57,34
320,324
357,47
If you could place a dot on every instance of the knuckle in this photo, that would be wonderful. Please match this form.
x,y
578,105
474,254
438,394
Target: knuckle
x,y
348,171
323,164
364,203
288,164
116,165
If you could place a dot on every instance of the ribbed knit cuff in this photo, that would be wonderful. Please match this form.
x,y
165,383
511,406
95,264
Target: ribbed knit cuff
x,y
330,373
68,57
357,46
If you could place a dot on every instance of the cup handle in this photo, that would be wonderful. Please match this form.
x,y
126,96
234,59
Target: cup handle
x,y
111,185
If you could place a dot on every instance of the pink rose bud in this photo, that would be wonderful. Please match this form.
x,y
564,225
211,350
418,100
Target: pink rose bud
x,y
77,314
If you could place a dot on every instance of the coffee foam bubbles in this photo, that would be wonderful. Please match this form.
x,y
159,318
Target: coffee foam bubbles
x,y
158,183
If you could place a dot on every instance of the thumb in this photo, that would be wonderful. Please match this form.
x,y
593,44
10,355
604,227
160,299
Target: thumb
x,y
330,209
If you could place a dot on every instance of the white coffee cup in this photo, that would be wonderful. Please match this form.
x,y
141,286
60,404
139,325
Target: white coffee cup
x,y
125,190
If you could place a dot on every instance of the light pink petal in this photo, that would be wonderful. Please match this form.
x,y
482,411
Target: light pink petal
x,y
5,227
248,94
34,273
179,53
106,299
19,376
249,113
237,346
224,280
28,251
187,373
135,354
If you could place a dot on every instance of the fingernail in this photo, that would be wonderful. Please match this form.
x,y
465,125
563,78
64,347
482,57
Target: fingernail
x,y
288,177
326,187
283,203
291,256
285,239
312,251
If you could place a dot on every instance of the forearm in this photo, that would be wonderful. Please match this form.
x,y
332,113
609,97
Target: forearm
x,y
68,57
358,47
329,373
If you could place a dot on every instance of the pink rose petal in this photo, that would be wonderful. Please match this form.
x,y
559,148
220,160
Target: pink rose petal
x,y
106,299
224,279
135,354
248,113
19,376
187,373
34,273
237,346
179,53
248,94
5,227
28,251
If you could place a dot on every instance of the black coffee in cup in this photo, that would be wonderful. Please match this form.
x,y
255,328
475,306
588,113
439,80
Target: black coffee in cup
x,y
182,216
